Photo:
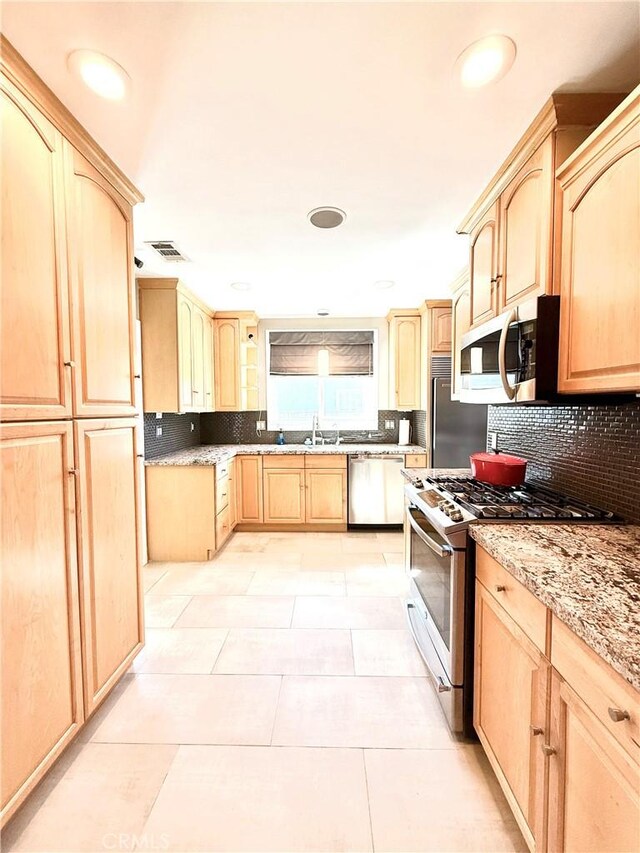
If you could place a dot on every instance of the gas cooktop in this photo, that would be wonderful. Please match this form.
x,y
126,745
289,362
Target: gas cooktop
x,y
463,499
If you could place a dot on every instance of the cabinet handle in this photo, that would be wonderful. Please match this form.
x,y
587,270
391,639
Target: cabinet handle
x,y
137,376
548,749
140,455
536,730
618,715
69,364
74,472
501,588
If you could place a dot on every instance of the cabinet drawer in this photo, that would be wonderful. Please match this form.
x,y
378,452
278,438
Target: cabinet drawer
x,y
415,460
316,460
598,685
223,528
222,493
222,469
523,607
281,460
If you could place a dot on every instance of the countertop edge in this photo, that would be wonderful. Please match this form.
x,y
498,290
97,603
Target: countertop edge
x,y
222,453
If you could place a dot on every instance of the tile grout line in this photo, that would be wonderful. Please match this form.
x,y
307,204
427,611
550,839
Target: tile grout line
x,y
366,785
222,645
275,715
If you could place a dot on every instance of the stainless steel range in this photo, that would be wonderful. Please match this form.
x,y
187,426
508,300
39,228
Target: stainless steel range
x,y
439,562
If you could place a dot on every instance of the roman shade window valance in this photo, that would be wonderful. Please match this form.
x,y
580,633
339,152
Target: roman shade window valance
x,y
350,353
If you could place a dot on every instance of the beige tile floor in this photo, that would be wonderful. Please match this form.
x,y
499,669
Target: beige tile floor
x,y
279,705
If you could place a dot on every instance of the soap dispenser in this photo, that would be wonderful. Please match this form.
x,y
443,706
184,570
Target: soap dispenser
x,y
280,438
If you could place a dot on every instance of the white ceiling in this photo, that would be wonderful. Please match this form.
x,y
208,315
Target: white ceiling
x,y
245,116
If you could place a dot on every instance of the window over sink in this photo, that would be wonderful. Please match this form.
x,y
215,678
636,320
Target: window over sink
x,y
331,374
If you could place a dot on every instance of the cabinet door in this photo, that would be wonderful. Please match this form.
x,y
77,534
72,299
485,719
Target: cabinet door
x,y
185,354
483,266
460,324
102,289
112,627
441,330
248,482
600,264
227,365
405,345
284,496
40,628
594,784
326,499
526,221
198,326
233,510
34,312
510,693
208,364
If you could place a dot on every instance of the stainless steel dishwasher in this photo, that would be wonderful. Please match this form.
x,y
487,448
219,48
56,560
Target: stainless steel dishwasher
x,y
376,490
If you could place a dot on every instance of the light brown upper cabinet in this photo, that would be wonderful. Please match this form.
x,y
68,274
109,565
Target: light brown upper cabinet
x,y
236,361
599,274
404,359
177,342
226,348
100,269
34,317
483,266
41,659
512,232
526,229
108,552
460,324
440,328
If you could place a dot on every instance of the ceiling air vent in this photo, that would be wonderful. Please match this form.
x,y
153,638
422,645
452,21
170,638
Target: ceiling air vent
x,y
167,250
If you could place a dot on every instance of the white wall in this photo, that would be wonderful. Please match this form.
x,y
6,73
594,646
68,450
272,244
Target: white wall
x,y
287,323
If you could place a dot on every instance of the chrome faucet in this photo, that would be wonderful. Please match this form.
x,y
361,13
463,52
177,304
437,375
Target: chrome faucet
x,y
316,435
337,429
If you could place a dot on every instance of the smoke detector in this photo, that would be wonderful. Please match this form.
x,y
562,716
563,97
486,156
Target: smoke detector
x,y
326,217
167,250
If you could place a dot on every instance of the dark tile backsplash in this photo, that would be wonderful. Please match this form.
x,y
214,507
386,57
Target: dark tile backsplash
x,y
240,428
176,433
419,428
588,452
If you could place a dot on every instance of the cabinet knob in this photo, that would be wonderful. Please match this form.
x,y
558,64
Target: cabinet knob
x,y
536,730
548,749
618,715
69,364
501,588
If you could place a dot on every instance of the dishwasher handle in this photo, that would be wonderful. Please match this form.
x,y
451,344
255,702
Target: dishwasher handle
x,y
368,456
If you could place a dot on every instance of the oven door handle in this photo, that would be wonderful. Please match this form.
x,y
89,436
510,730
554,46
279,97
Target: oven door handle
x,y
441,686
509,390
436,547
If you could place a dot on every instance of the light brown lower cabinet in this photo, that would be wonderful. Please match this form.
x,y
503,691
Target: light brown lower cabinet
x,y
562,738
248,483
284,495
108,551
510,697
70,585
42,706
326,495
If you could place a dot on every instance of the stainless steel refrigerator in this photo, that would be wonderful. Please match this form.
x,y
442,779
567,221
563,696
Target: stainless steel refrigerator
x,y
457,429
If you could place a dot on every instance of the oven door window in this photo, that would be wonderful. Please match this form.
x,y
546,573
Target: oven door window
x,y
432,575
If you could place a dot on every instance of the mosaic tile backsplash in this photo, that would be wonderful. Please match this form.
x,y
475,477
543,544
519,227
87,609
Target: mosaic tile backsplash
x,y
176,433
588,452
240,428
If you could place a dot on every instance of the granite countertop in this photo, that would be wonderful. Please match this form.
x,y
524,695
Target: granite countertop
x,y
211,454
588,575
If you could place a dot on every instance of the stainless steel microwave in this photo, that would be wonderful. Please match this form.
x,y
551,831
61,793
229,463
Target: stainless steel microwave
x,y
513,358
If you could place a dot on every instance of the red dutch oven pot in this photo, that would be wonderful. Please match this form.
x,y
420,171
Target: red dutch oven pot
x,y
499,469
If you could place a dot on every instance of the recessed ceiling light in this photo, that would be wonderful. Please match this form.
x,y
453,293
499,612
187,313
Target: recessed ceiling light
x,y
100,73
326,217
384,284
241,285
485,61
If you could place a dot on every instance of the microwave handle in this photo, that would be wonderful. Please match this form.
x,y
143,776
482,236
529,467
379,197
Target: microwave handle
x,y
440,550
509,390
